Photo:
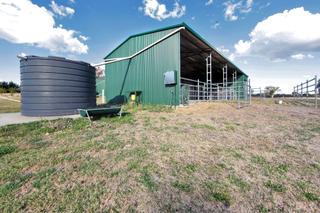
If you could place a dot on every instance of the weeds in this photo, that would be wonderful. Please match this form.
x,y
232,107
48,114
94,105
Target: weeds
x,y
42,178
147,180
218,191
277,187
182,186
190,168
311,196
237,181
203,126
14,184
4,150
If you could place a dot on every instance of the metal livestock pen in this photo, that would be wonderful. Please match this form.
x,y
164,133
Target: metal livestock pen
x,y
141,64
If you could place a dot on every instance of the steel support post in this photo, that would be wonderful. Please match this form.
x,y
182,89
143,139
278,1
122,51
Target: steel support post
x,y
316,91
198,86
249,92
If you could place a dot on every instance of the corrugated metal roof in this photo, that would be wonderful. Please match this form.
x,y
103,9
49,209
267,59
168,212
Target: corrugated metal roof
x,y
174,27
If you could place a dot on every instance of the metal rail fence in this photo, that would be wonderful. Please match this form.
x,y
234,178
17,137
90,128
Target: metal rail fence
x,y
196,91
308,92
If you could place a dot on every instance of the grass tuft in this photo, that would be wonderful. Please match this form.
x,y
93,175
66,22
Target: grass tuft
x,y
17,182
221,197
182,186
277,187
4,150
239,182
42,178
203,126
311,196
218,191
147,180
190,168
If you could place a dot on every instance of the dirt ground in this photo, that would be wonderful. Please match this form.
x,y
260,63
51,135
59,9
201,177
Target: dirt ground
x,y
207,157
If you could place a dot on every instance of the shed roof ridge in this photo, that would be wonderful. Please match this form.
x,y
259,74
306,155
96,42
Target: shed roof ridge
x,y
146,33
183,24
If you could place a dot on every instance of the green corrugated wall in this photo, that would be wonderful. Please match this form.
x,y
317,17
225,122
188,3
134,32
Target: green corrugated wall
x,y
145,71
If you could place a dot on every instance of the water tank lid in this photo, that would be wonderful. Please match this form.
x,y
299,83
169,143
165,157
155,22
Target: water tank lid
x,y
55,58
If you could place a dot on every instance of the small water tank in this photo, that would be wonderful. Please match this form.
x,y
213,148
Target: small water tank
x,y
52,86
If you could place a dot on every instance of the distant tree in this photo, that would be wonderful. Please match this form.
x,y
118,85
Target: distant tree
x,y
270,91
9,87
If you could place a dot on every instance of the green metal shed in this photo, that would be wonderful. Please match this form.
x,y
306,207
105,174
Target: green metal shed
x,y
141,61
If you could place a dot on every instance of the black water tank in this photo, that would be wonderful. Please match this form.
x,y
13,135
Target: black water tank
x,y
52,86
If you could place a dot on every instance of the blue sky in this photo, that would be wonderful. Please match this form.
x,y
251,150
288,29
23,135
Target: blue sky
x,y
275,42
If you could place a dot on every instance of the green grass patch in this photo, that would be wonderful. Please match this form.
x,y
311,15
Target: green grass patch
x,y
311,196
262,209
147,180
190,168
113,143
81,198
282,168
163,118
315,166
89,166
221,197
42,178
277,187
4,150
218,191
230,127
203,126
166,147
259,160
17,182
239,182
182,186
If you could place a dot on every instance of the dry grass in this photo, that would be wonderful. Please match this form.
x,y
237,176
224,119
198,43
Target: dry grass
x,y
8,105
202,158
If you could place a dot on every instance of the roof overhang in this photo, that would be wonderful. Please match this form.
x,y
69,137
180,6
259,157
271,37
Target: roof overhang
x,y
196,39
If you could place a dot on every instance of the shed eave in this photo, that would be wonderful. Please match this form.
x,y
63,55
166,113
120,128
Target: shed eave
x,y
183,24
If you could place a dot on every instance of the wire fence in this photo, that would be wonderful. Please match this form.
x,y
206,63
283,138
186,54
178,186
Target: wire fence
x,y
196,91
307,93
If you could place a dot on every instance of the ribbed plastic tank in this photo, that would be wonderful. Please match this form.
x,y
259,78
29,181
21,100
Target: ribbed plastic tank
x,y
54,86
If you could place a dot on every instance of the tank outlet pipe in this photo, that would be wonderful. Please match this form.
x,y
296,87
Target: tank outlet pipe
x,y
113,60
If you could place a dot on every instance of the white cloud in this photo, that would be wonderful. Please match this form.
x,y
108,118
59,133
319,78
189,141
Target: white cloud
x,y
283,35
215,25
83,38
299,56
310,56
156,10
247,7
209,2
23,22
223,50
61,10
193,18
232,9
